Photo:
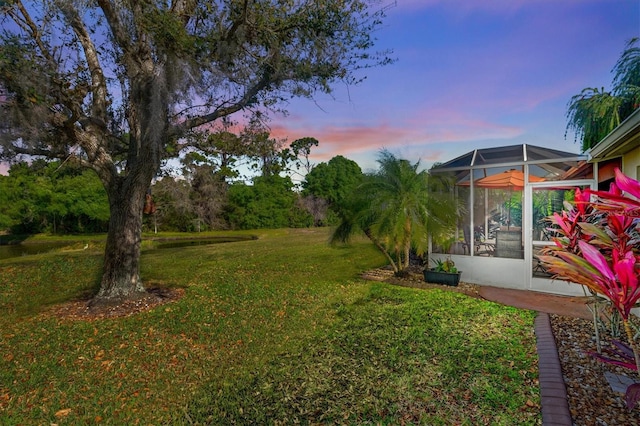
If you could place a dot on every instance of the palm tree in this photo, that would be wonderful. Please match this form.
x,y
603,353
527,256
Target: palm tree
x,y
397,208
626,80
594,113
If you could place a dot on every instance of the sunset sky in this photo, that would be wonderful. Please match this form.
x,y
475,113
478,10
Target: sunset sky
x,y
469,74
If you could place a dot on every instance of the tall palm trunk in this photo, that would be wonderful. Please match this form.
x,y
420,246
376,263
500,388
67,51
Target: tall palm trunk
x,y
384,251
407,243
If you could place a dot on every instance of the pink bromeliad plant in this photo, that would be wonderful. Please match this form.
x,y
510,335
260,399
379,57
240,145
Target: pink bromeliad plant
x,y
599,247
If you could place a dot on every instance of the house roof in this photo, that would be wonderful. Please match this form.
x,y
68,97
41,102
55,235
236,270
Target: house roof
x,y
621,140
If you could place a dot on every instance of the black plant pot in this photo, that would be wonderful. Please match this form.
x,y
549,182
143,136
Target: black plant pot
x,y
446,278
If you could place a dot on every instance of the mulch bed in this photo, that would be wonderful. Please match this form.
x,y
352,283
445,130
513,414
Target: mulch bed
x,y
81,309
591,399
415,279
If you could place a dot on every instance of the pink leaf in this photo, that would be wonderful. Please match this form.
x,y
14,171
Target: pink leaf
x,y
593,256
632,396
625,269
595,231
561,222
626,184
582,200
614,190
631,365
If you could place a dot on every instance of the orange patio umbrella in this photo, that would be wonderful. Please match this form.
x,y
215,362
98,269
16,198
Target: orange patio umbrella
x,y
509,179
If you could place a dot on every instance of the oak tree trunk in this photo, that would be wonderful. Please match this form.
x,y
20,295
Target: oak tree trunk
x,y
121,268
127,191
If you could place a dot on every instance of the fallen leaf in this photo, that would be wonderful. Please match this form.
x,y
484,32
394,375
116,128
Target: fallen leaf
x,y
63,413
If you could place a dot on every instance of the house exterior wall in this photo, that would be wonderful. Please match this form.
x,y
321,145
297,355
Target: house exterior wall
x,y
507,273
631,163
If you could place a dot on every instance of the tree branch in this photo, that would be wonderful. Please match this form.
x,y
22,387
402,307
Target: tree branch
x,y
117,28
248,99
98,82
184,9
62,154
27,24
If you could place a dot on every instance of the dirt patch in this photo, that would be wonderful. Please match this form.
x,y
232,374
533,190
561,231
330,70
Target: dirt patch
x,y
82,309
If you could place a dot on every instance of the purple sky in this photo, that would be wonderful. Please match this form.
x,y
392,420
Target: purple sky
x,y
469,74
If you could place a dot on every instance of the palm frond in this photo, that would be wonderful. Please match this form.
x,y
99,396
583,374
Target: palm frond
x,y
592,115
398,210
627,69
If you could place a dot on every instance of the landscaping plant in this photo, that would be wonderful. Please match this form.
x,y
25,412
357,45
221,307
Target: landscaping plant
x,y
599,247
447,266
393,209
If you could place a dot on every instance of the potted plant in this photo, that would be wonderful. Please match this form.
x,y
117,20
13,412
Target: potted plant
x,y
443,272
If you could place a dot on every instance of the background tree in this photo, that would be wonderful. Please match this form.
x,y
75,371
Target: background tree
x,y
333,181
47,196
208,189
593,113
626,79
81,195
173,202
266,155
208,196
222,149
298,153
318,208
6,221
268,203
115,85
397,208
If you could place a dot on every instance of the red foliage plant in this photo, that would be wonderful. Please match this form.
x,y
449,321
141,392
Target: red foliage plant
x,y
598,246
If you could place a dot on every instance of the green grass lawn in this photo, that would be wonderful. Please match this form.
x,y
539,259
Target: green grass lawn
x,y
275,331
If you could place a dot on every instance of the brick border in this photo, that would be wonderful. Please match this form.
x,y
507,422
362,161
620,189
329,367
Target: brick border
x,y
553,392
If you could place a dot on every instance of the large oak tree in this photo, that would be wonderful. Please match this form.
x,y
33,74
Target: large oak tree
x,y
116,85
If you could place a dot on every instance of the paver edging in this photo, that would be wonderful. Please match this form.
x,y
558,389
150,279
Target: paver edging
x,y
555,407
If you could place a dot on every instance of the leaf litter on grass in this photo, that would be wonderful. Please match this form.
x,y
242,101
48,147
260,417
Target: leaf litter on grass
x,y
384,361
316,342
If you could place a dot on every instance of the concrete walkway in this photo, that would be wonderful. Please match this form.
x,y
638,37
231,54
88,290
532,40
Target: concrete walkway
x,y
536,301
553,392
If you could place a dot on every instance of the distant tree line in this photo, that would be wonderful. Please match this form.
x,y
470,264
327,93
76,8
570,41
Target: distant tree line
x,y
208,193
52,197
397,207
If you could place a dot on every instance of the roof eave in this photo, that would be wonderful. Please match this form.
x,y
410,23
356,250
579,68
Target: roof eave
x,y
622,139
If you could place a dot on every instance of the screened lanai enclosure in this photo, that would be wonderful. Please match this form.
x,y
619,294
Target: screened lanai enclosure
x,y
505,195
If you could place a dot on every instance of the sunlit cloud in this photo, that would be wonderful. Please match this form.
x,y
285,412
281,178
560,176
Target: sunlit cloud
x,y
419,131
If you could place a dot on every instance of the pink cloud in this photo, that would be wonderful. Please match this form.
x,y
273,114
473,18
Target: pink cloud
x,y
422,129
